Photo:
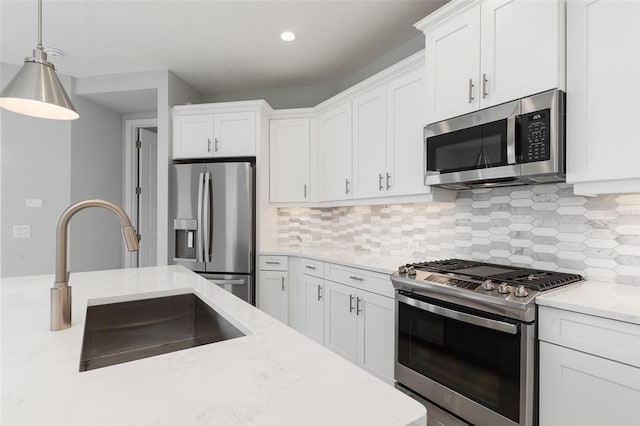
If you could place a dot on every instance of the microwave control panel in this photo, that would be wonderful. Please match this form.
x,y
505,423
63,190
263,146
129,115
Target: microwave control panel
x,y
535,137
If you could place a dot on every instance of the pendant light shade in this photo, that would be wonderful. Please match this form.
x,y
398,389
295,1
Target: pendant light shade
x,y
36,89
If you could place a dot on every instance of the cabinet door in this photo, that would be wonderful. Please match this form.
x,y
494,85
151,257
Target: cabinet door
x,y
340,329
272,294
313,321
376,334
405,145
602,112
192,136
289,160
234,134
578,389
520,49
452,52
334,153
370,144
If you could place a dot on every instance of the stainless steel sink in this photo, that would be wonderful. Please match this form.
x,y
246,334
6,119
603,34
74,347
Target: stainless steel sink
x,y
122,332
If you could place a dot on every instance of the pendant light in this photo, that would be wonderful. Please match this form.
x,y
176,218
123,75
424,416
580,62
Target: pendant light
x,y
36,90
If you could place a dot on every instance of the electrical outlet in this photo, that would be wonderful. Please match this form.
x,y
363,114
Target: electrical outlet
x,y
21,231
33,202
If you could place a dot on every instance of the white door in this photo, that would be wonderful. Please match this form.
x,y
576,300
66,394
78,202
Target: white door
x,y
370,144
520,49
376,321
272,294
405,126
578,389
603,69
340,329
452,52
289,160
313,308
192,136
147,202
334,154
234,134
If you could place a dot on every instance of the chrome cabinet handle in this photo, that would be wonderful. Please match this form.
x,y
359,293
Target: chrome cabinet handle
x,y
358,308
319,295
388,181
215,148
208,145
485,85
353,277
350,303
346,186
271,262
470,90
305,190
380,187
282,278
310,267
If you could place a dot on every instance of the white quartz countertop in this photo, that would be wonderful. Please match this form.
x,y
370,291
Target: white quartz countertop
x,y
383,264
614,301
272,376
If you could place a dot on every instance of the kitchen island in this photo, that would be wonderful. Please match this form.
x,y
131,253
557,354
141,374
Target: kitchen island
x,y
271,376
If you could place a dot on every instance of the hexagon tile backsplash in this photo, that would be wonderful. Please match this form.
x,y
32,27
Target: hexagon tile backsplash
x,y
541,226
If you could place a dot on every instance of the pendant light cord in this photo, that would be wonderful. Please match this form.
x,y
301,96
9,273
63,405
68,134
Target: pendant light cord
x,y
39,46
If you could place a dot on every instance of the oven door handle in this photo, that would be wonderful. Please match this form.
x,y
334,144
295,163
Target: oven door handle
x,y
460,316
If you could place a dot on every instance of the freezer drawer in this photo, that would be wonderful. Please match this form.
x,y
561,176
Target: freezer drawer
x,y
239,285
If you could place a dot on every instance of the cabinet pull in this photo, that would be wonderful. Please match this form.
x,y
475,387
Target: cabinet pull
x,y
353,277
358,308
305,190
282,278
346,186
310,267
215,147
319,295
350,303
271,262
208,145
380,187
485,85
388,181
470,90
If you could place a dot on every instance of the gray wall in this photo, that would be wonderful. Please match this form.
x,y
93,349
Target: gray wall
x,y
310,96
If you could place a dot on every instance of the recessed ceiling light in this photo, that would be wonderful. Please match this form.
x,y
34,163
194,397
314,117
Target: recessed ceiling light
x,y
288,36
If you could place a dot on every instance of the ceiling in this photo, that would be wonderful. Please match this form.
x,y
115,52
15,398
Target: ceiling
x,y
216,46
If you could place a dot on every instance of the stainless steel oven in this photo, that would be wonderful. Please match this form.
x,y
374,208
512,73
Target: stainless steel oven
x,y
475,365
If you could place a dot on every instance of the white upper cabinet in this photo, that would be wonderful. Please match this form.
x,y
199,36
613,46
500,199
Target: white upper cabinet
x,y
452,50
192,136
334,154
234,134
370,143
603,69
489,52
289,160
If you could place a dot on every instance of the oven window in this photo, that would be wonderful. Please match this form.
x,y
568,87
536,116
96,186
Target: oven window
x,y
477,147
479,363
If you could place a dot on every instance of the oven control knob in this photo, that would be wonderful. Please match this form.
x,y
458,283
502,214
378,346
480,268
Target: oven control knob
x,y
402,269
504,288
521,291
411,272
488,285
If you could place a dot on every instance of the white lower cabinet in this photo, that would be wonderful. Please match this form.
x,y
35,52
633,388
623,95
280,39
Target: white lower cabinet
x,y
359,327
273,287
313,290
589,370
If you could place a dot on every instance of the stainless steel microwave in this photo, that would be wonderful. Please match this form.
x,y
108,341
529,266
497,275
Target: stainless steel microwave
x,y
515,143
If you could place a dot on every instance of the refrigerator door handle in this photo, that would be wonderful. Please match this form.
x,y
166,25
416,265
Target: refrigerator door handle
x,y
207,218
199,234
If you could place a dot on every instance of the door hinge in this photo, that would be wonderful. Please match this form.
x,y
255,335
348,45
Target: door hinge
x,y
138,144
139,237
138,190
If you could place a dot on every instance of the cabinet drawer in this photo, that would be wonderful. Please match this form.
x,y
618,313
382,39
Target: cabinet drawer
x,y
611,339
274,263
315,268
360,278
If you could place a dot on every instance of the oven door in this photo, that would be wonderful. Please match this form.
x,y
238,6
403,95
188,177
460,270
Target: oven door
x,y
478,367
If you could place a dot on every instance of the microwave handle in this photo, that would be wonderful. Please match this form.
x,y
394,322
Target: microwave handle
x,y
511,140
460,316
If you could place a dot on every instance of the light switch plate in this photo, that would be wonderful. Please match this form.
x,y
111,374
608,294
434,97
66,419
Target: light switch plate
x,y
21,231
33,202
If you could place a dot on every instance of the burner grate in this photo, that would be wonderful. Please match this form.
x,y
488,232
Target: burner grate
x,y
538,280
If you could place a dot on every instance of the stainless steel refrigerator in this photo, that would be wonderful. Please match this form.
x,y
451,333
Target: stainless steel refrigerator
x,y
213,223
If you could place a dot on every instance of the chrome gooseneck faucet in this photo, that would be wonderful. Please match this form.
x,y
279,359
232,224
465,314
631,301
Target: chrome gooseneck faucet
x,y
61,291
